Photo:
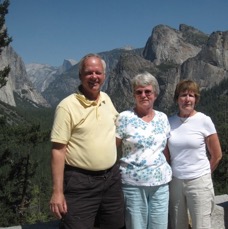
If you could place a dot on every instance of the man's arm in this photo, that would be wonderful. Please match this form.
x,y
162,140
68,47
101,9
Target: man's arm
x,y
58,203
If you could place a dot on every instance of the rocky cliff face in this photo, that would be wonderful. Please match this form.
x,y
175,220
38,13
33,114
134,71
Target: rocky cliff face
x,y
17,81
219,217
67,82
119,87
172,58
169,45
210,66
67,64
169,54
41,75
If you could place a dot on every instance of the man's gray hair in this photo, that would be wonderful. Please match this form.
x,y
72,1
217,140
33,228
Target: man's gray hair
x,y
81,62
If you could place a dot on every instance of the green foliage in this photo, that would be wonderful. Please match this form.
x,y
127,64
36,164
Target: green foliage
x,y
38,210
4,40
164,67
25,176
197,39
33,114
214,102
25,181
3,76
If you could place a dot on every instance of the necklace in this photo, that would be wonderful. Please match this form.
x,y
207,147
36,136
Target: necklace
x,y
184,120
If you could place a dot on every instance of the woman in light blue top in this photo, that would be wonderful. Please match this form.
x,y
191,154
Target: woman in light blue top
x,y
142,132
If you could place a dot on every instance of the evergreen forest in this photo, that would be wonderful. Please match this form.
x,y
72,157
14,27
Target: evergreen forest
x,y
25,176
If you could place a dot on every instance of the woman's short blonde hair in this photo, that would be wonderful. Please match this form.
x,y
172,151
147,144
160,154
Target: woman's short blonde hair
x,y
187,85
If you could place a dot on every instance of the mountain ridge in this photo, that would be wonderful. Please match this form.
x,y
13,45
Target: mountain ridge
x,y
169,54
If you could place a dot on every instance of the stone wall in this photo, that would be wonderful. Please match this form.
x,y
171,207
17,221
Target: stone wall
x,y
220,214
219,217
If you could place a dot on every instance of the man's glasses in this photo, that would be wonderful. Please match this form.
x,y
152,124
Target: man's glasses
x,y
146,92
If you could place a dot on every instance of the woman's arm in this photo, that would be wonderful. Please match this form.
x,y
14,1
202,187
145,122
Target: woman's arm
x,y
167,153
118,142
214,148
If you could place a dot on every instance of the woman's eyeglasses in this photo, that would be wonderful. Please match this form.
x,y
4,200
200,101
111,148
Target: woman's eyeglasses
x,y
146,92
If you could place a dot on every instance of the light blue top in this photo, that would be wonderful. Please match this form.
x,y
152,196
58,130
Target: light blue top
x,y
143,162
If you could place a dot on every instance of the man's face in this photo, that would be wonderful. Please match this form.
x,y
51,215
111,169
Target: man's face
x,y
92,75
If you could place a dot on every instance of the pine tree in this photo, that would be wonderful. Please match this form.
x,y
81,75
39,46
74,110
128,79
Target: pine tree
x,y
4,40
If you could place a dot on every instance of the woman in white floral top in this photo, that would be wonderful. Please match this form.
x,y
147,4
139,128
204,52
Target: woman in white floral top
x,y
142,132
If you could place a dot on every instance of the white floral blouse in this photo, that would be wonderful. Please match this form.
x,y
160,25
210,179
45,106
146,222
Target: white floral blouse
x,y
143,162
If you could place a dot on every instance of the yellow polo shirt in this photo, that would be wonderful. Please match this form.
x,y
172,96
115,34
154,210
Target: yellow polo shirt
x,y
88,129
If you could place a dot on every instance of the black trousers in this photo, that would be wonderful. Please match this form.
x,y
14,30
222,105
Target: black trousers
x,y
91,195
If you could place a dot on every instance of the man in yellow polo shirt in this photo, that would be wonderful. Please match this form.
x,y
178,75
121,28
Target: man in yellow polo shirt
x,y
86,178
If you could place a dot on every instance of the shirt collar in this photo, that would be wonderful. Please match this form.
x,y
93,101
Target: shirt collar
x,y
86,102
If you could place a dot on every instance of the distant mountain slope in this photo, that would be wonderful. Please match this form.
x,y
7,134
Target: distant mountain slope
x,y
18,81
169,54
41,75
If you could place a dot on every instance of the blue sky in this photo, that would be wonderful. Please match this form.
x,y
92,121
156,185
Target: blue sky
x,y
49,31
